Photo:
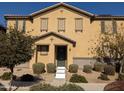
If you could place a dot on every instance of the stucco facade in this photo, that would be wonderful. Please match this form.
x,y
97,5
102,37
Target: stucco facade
x,y
84,40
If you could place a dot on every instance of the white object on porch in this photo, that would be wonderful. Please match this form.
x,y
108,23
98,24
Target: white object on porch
x,y
60,73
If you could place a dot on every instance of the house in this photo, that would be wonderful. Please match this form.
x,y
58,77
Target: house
x,y
64,34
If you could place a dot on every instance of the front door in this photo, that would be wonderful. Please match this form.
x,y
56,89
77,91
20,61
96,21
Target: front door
x,y
61,55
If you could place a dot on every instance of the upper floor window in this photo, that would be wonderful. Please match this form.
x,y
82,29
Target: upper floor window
x,y
108,26
44,24
20,25
78,24
24,24
16,24
61,24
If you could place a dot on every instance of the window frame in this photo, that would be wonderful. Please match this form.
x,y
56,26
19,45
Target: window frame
x,y
102,24
41,24
42,52
59,30
79,30
24,25
113,24
16,24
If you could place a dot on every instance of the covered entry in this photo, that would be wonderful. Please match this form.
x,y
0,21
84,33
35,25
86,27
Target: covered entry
x,y
54,48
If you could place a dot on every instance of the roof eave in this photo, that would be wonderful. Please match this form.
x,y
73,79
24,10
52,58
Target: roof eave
x,y
108,17
55,34
16,17
64,5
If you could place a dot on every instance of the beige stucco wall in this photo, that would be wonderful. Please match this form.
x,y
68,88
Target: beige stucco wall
x,y
84,40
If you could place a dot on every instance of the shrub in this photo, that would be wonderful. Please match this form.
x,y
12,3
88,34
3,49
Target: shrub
x,y
107,59
73,68
70,87
27,78
98,66
14,77
109,70
51,68
43,87
121,76
87,68
103,77
75,78
6,76
38,68
48,87
2,88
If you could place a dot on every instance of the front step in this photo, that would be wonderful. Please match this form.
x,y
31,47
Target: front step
x,y
61,68
60,76
60,73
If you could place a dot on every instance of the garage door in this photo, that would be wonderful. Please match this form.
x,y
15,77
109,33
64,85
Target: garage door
x,y
83,61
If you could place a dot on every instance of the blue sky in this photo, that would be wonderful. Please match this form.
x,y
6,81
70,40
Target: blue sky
x,y
25,8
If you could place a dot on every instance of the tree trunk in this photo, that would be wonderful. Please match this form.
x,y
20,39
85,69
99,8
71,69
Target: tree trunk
x,y
11,80
121,67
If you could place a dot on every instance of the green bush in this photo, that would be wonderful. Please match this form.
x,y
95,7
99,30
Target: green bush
x,y
75,78
43,87
121,76
6,76
87,68
109,70
38,68
70,87
103,77
99,67
48,87
2,87
51,68
73,68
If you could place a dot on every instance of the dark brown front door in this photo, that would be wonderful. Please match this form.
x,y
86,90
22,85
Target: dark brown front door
x,y
61,55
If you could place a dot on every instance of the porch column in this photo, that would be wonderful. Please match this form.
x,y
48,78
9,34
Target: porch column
x,y
33,59
52,53
69,55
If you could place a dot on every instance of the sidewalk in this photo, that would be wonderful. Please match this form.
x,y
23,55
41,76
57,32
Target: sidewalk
x,y
93,86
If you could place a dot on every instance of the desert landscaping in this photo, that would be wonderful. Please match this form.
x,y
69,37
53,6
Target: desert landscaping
x,y
49,78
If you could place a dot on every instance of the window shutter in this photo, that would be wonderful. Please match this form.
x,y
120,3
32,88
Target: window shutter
x,y
24,23
44,24
114,25
102,26
61,24
78,24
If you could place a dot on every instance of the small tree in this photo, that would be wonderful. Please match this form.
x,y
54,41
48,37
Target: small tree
x,y
15,49
111,46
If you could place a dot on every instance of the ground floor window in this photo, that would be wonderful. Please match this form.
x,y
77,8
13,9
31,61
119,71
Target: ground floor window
x,y
43,49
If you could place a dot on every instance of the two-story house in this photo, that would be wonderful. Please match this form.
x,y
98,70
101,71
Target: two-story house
x,y
64,33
